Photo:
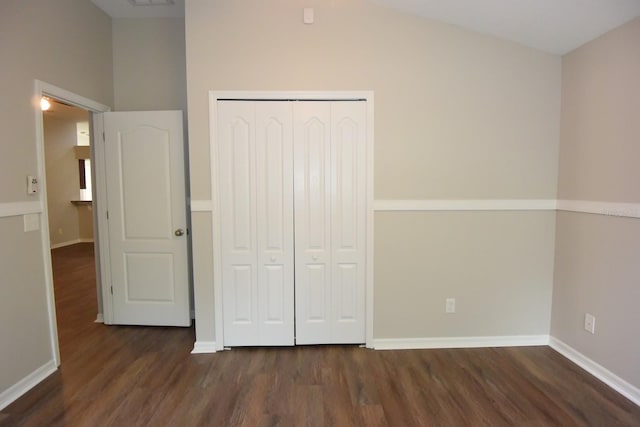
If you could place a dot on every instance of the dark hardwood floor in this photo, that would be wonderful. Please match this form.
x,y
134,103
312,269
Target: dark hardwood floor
x,y
145,376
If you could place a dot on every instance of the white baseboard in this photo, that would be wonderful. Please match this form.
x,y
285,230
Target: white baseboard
x,y
99,318
459,342
70,242
629,391
200,347
27,383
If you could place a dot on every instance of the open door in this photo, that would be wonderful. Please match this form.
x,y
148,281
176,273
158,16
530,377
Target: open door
x,y
146,219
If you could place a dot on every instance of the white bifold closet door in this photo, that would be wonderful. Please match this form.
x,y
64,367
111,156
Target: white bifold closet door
x,y
256,200
330,201
292,185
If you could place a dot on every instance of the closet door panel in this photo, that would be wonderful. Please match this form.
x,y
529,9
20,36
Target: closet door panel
x,y
237,163
348,220
312,186
274,173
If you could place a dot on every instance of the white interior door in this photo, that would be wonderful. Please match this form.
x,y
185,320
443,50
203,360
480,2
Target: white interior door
x,y
330,221
256,215
144,157
284,167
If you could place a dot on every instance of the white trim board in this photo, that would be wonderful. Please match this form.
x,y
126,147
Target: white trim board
x,y
203,347
600,372
626,210
27,383
202,206
20,208
459,342
466,205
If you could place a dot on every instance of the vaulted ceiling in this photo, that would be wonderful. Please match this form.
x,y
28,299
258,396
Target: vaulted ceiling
x,y
554,26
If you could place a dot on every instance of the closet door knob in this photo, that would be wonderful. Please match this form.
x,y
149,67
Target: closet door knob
x,y
179,232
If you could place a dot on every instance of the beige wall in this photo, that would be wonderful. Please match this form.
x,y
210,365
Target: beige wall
x,y
457,115
597,261
33,46
85,222
24,330
600,126
498,266
149,64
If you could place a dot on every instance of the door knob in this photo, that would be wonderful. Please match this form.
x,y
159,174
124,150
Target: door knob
x,y
179,232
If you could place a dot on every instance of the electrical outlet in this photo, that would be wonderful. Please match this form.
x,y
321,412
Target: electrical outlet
x,y
450,305
589,323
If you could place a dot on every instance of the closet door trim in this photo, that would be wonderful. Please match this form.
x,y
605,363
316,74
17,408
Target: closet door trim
x,y
214,97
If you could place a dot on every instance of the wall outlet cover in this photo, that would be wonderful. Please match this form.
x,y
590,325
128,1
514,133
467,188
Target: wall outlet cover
x,y
590,323
450,305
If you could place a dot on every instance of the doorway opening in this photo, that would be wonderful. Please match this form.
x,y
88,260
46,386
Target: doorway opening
x,y
67,152
68,110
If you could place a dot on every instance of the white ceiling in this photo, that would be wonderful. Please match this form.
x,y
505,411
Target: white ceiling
x,y
554,26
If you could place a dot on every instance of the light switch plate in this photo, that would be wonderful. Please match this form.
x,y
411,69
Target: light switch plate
x,y
308,15
31,222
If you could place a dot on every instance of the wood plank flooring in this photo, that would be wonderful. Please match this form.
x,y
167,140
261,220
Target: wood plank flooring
x,y
145,376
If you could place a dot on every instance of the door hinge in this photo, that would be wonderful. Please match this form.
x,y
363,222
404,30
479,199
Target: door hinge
x,y
103,137
111,290
107,214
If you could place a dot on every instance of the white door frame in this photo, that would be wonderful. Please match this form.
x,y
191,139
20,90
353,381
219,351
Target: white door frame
x,y
214,96
46,89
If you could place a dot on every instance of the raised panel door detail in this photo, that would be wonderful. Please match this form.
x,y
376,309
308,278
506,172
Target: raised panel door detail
x,y
316,293
241,174
346,139
274,285
145,183
315,175
149,277
274,163
243,289
347,284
